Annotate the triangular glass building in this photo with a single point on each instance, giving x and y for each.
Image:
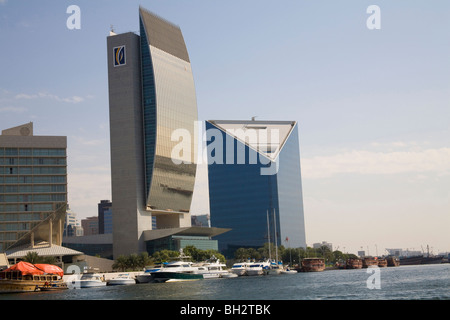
(255, 183)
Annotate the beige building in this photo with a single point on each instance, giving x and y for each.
(33, 187)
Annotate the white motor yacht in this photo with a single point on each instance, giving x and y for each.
(177, 271)
(240, 268)
(258, 268)
(89, 280)
(121, 279)
(211, 269)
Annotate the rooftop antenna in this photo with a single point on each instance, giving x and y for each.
(111, 32)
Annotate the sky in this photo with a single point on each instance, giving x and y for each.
(372, 104)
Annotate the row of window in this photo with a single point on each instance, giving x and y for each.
(36, 216)
(32, 179)
(22, 226)
(33, 198)
(26, 207)
(33, 161)
(33, 170)
(5, 236)
(32, 188)
(31, 152)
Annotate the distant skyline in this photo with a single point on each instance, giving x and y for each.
(373, 105)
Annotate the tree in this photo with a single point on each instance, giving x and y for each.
(121, 263)
(165, 255)
(32, 257)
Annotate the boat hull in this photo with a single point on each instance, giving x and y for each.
(239, 272)
(176, 276)
(369, 262)
(393, 261)
(18, 286)
(144, 278)
(255, 272)
(88, 284)
(353, 264)
(120, 282)
(288, 272)
(312, 265)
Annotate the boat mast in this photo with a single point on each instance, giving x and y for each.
(276, 238)
(268, 234)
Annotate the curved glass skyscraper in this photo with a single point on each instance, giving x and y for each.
(169, 104)
(152, 109)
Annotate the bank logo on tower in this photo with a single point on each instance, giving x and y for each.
(119, 56)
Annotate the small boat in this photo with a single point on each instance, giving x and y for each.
(312, 265)
(89, 280)
(26, 277)
(288, 271)
(121, 279)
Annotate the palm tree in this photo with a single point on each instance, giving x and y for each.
(32, 257)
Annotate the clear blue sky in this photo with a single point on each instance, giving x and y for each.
(373, 106)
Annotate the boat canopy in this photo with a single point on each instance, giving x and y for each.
(50, 269)
(27, 268)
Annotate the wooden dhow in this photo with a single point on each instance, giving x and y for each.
(26, 277)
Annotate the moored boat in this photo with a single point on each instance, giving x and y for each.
(288, 270)
(240, 268)
(147, 276)
(312, 265)
(412, 260)
(121, 279)
(211, 269)
(392, 261)
(258, 268)
(26, 277)
(382, 262)
(89, 280)
(433, 260)
(177, 271)
(353, 264)
(369, 262)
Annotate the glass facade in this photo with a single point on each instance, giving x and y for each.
(175, 243)
(170, 115)
(33, 184)
(255, 206)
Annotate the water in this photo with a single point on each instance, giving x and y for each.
(425, 282)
